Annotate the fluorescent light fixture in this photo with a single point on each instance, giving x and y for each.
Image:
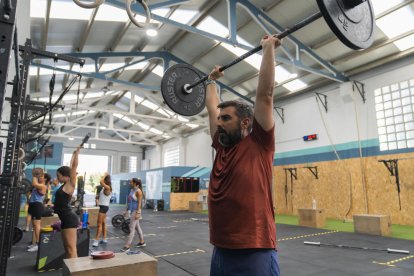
(211, 25)
(166, 136)
(381, 6)
(165, 112)
(150, 105)
(93, 95)
(82, 112)
(192, 125)
(156, 131)
(59, 115)
(405, 43)
(152, 32)
(71, 138)
(143, 126)
(183, 16)
(182, 119)
(102, 127)
(295, 85)
(397, 22)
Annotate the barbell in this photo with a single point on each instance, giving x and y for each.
(352, 21)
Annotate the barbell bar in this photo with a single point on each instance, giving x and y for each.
(352, 21)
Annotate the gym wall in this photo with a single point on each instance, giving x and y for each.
(352, 184)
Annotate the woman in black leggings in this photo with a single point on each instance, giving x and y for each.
(63, 196)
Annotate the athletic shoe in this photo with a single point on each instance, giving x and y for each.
(95, 243)
(125, 249)
(104, 241)
(34, 248)
(141, 244)
(30, 245)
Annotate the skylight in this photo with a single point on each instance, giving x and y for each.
(210, 25)
(93, 95)
(295, 85)
(158, 70)
(392, 26)
(405, 43)
(125, 118)
(381, 6)
(183, 16)
(68, 10)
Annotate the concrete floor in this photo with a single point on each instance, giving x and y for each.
(179, 241)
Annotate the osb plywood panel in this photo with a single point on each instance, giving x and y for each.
(180, 201)
(347, 187)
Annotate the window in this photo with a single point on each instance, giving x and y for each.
(172, 156)
(128, 164)
(394, 105)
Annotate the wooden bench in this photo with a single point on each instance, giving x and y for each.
(372, 224)
(312, 217)
(121, 264)
(45, 221)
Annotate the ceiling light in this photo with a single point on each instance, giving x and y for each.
(71, 138)
(152, 32)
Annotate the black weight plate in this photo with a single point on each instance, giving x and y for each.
(172, 90)
(25, 186)
(125, 226)
(354, 26)
(118, 220)
(17, 235)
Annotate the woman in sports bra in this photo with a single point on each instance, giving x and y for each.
(135, 206)
(104, 199)
(69, 220)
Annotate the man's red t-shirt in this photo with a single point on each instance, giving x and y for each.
(240, 199)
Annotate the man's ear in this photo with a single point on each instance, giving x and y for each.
(245, 123)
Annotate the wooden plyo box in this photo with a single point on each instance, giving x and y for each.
(93, 215)
(372, 224)
(312, 217)
(121, 264)
(45, 221)
(196, 206)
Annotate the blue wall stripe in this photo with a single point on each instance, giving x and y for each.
(327, 154)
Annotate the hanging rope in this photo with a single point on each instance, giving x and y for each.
(51, 88)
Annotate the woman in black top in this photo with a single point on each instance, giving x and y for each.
(63, 196)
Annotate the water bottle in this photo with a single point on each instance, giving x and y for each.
(313, 204)
(85, 218)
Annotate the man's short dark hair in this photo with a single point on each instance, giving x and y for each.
(243, 110)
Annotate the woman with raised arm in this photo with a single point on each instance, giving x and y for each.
(69, 220)
(104, 199)
(36, 205)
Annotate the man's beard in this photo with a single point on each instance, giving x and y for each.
(228, 140)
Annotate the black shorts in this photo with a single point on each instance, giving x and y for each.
(103, 209)
(68, 219)
(36, 210)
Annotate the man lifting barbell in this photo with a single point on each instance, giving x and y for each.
(241, 215)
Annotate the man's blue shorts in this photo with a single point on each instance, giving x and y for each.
(244, 262)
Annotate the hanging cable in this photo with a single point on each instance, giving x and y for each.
(51, 88)
(337, 156)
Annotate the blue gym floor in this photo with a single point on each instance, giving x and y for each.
(179, 241)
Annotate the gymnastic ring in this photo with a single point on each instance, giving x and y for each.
(131, 15)
(93, 5)
(24, 166)
(22, 154)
